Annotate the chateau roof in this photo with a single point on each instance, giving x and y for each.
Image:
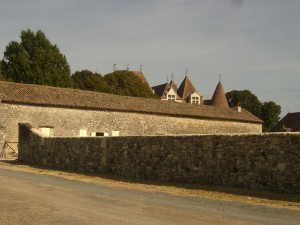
(163, 89)
(219, 98)
(291, 122)
(186, 88)
(140, 75)
(160, 89)
(29, 94)
(173, 85)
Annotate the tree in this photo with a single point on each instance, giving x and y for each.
(247, 100)
(270, 112)
(1, 76)
(35, 60)
(86, 80)
(121, 82)
(124, 82)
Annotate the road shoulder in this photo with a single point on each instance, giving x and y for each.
(247, 196)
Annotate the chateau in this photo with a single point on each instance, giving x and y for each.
(289, 123)
(186, 93)
(72, 112)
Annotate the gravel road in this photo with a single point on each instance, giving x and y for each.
(31, 199)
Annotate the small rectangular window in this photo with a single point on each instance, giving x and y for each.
(115, 133)
(83, 133)
(101, 134)
(48, 131)
(171, 97)
(195, 100)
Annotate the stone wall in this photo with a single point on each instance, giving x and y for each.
(2, 141)
(68, 122)
(258, 161)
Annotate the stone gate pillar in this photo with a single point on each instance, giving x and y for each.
(2, 141)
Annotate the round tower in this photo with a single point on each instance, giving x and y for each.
(219, 98)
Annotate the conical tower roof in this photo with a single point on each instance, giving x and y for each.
(219, 98)
(186, 88)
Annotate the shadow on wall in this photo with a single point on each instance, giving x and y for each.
(2, 141)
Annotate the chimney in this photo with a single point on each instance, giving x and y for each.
(238, 107)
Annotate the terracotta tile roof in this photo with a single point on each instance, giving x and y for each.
(219, 98)
(289, 123)
(173, 85)
(74, 98)
(207, 102)
(186, 88)
(140, 75)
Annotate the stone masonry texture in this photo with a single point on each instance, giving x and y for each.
(2, 140)
(257, 161)
(68, 122)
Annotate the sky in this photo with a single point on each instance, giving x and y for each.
(252, 44)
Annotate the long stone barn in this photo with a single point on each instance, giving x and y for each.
(72, 112)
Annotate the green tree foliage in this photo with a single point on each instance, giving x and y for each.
(124, 82)
(86, 80)
(35, 60)
(1, 77)
(267, 111)
(248, 101)
(270, 112)
(121, 82)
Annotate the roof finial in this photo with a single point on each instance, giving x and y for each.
(172, 76)
(114, 67)
(220, 77)
(128, 66)
(141, 68)
(186, 72)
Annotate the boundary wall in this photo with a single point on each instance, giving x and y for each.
(257, 161)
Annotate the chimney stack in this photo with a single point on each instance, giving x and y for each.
(238, 107)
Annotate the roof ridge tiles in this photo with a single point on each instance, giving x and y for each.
(74, 98)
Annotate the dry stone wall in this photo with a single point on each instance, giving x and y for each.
(258, 161)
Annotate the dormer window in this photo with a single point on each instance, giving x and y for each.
(195, 100)
(171, 97)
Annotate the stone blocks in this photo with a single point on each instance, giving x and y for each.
(258, 161)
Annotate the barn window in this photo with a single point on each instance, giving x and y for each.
(83, 133)
(115, 133)
(46, 130)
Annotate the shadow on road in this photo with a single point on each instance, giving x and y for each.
(269, 195)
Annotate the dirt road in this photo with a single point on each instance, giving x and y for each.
(32, 198)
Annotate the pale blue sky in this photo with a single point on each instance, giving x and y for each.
(254, 44)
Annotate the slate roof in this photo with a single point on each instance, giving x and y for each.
(163, 89)
(289, 123)
(219, 98)
(160, 90)
(186, 88)
(29, 94)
